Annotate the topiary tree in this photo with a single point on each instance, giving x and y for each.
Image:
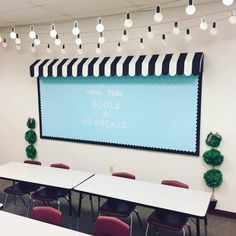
(31, 137)
(214, 158)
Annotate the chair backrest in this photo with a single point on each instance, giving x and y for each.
(111, 226)
(174, 183)
(33, 162)
(47, 214)
(60, 165)
(124, 175)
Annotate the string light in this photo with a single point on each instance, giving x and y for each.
(100, 26)
(37, 40)
(32, 33)
(228, 2)
(17, 40)
(76, 30)
(18, 47)
(150, 34)
(124, 36)
(163, 39)
(33, 49)
(203, 24)
(4, 44)
(118, 48)
(98, 49)
(57, 40)
(190, 9)
(158, 17)
(214, 30)
(13, 33)
(232, 18)
(49, 50)
(176, 29)
(63, 49)
(53, 32)
(188, 36)
(141, 43)
(128, 21)
(80, 49)
(101, 38)
(78, 40)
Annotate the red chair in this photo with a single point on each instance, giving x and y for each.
(107, 225)
(169, 220)
(51, 194)
(21, 188)
(119, 208)
(47, 214)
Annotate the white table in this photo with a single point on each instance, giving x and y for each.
(44, 175)
(12, 225)
(191, 202)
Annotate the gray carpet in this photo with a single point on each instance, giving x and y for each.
(217, 226)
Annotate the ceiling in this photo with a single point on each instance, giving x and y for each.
(27, 12)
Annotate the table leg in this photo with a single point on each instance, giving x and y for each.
(205, 222)
(79, 210)
(198, 226)
(70, 209)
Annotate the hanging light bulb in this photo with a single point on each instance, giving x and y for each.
(150, 34)
(80, 49)
(37, 40)
(101, 39)
(0, 38)
(17, 40)
(49, 50)
(158, 17)
(76, 30)
(176, 29)
(13, 33)
(78, 40)
(18, 47)
(128, 21)
(100, 26)
(214, 30)
(33, 49)
(232, 18)
(63, 49)
(124, 36)
(190, 9)
(228, 2)
(53, 31)
(32, 33)
(163, 39)
(4, 44)
(188, 36)
(141, 44)
(203, 24)
(57, 40)
(98, 49)
(118, 48)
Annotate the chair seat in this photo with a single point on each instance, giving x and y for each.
(168, 219)
(49, 194)
(117, 208)
(16, 189)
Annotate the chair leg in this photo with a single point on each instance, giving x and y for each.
(147, 228)
(205, 223)
(5, 202)
(92, 209)
(131, 224)
(99, 203)
(139, 219)
(58, 205)
(189, 229)
(183, 231)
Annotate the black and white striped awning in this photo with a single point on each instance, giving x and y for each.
(169, 64)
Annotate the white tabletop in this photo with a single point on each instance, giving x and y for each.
(43, 175)
(12, 225)
(148, 194)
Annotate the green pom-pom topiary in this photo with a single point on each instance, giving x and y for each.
(213, 140)
(213, 157)
(30, 136)
(31, 123)
(31, 151)
(213, 178)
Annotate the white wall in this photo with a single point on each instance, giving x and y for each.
(18, 97)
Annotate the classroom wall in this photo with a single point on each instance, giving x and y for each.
(19, 100)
